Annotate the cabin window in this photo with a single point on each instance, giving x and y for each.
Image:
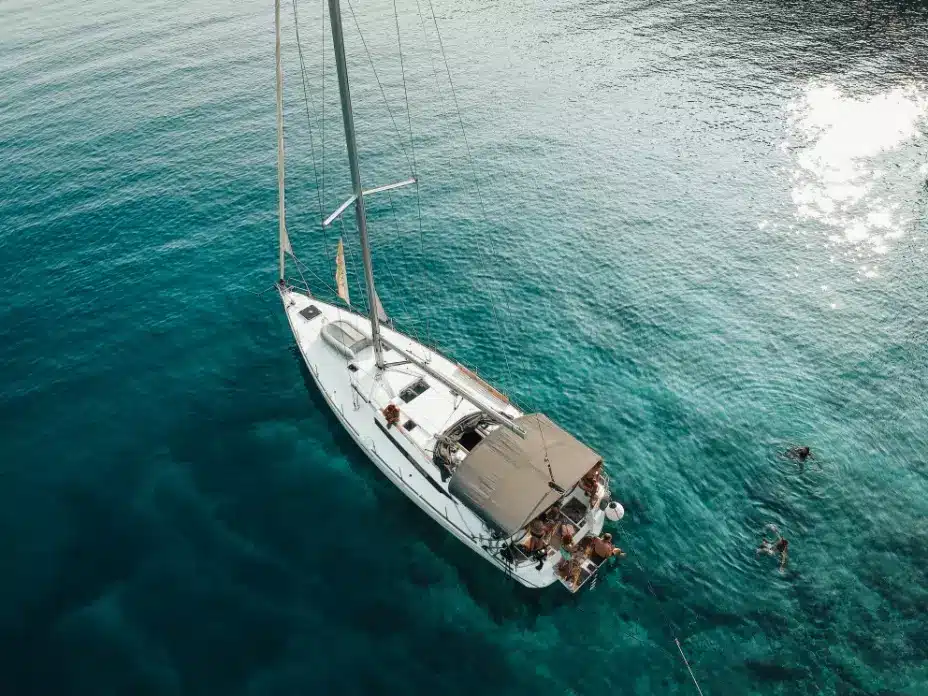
(413, 390)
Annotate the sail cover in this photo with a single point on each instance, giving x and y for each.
(505, 479)
(341, 274)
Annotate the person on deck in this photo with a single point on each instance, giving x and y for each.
(570, 569)
(536, 539)
(590, 479)
(567, 532)
(603, 548)
(391, 414)
(552, 514)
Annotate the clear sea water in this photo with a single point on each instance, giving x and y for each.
(700, 239)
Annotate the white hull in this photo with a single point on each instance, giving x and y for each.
(403, 454)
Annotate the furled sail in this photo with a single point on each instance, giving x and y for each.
(285, 240)
(382, 315)
(341, 275)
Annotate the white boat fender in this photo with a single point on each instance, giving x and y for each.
(614, 511)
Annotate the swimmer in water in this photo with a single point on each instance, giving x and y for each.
(779, 546)
(782, 547)
(800, 454)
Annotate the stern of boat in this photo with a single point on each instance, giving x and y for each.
(573, 564)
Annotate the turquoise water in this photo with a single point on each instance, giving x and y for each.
(702, 241)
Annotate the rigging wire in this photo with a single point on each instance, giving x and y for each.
(303, 278)
(441, 96)
(473, 167)
(322, 281)
(479, 197)
(383, 94)
(410, 163)
(405, 268)
(313, 114)
(350, 250)
(322, 55)
(457, 108)
(338, 305)
(306, 101)
(320, 185)
(428, 48)
(412, 148)
(399, 43)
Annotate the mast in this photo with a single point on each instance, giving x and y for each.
(341, 64)
(283, 241)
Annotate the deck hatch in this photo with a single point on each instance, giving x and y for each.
(345, 338)
(311, 312)
(414, 390)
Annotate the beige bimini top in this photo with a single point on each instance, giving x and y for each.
(505, 479)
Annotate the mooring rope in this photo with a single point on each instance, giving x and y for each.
(670, 625)
(687, 663)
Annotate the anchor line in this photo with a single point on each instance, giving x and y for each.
(673, 631)
(687, 663)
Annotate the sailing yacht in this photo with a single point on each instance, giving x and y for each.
(514, 487)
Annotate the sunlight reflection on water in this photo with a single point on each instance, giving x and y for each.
(851, 171)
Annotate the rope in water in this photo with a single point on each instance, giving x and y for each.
(687, 663)
(669, 623)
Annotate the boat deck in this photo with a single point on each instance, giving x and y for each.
(358, 393)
